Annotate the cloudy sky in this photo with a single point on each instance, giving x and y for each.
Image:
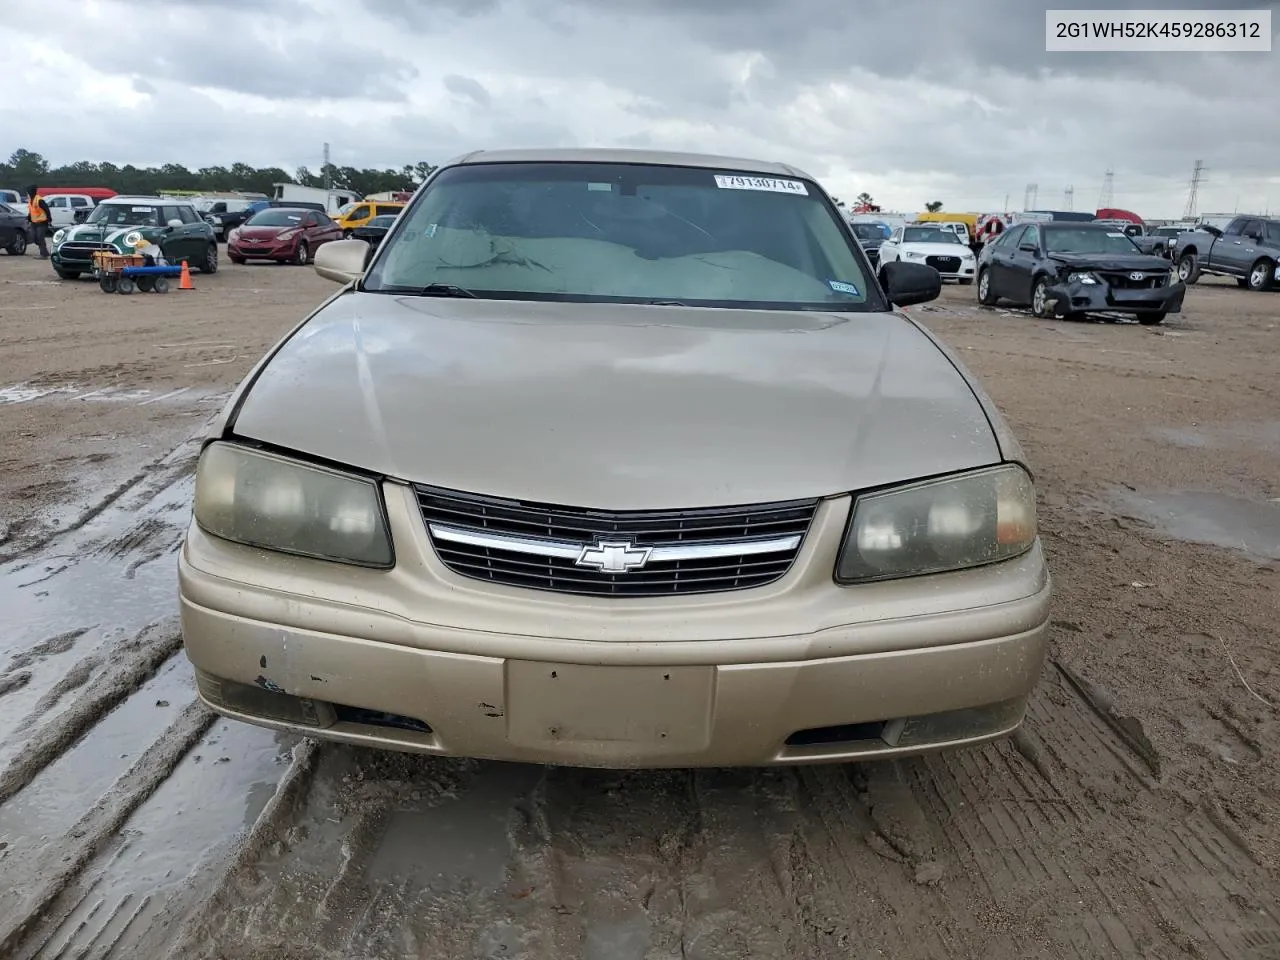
(909, 100)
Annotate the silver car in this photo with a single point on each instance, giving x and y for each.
(616, 458)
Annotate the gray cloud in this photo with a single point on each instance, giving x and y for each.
(467, 87)
(910, 99)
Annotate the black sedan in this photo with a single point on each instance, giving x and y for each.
(13, 230)
(373, 231)
(1071, 269)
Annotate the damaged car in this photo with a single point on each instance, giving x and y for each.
(616, 458)
(1073, 269)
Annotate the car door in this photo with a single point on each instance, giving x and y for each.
(1247, 248)
(1024, 257)
(195, 234)
(59, 212)
(890, 249)
(1227, 252)
(9, 225)
(1000, 260)
(175, 241)
(329, 228)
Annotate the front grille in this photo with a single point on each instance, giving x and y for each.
(944, 264)
(1120, 279)
(80, 250)
(569, 527)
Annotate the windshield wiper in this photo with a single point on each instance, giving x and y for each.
(444, 290)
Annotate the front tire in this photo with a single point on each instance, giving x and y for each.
(1152, 319)
(985, 296)
(303, 256)
(210, 262)
(1040, 299)
(19, 246)
(1260, 276)
(1188, 268)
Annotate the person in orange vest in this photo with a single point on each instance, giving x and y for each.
(40, 217)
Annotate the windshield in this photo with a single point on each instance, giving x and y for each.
(928, 235)
(1087, 240)
(275, 218)
(345, 209)
(1273, 232)
(867, 231)
(124, 215)
(386, 220)
(629, 233)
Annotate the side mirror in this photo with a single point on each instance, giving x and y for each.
(1028, 247)
(342, 260)
(173, 223)
(910, 283)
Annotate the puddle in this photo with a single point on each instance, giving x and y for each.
(1253, 435)
(51, 804)
(1249, 526)
(464, 837)
(168, 856)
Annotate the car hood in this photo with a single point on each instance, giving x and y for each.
(937, 249)
(97, 233)
(617, 406)
(1111, 261)
(263, 233)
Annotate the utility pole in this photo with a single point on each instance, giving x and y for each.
(1197, 178)
(1029, 198)
(1108, 195)
(1068, 198)
(328, 179)
(1005, 208)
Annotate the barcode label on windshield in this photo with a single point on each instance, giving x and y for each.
(769, 184)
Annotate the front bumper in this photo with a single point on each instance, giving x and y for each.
(1077, 297)
(271, 250)
(422, 660)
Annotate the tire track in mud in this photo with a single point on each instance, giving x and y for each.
(134, 661)
(60, 864)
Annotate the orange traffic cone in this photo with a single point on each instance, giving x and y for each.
(185, 283)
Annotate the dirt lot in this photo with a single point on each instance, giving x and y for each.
(1137, 813)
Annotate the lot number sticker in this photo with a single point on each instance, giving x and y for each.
(768, 184)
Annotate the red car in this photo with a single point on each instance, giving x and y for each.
(283, 234)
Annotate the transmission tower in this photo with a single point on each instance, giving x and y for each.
(1068, 198)
(1029, 198)
(1197, 178)
(1108, 195)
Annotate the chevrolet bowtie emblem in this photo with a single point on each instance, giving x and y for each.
(614, 556)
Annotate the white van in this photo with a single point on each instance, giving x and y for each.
(63, 207)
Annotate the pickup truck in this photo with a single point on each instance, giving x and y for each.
(1248, 249)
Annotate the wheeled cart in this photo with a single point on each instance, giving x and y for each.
(124, 273)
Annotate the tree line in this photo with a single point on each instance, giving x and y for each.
(25, 167)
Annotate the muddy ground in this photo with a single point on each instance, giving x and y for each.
(1137, 814)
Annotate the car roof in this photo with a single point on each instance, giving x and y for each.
(154, 201)
(665, 158)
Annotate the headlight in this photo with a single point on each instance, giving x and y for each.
(912, 255)
(939, 525)
(1173, 276)
(1082, 278)
(133, 239)
(265, 500)
(60, 236)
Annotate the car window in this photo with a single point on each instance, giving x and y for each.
(1235, 228)
(1031, 236)
(58, 202)
(929, 235)
(168, 213)
(5, 208)
(188, 214)
(125, 215)
(1088, 240)
(619, 232)
(78, 201)
(1273, 232)
(1252, 228)
(384, 222)
(896, 236)
(359, 213)
(275, 217)
(1011, 237)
